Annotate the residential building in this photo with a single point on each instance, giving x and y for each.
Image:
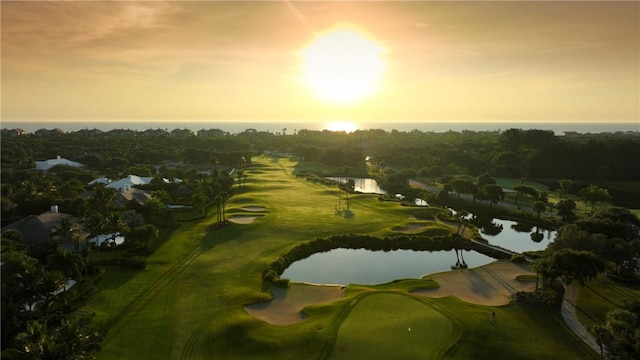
(48, 164)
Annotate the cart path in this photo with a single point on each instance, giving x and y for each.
(568, 311)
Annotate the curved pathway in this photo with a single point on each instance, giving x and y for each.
(568, 311)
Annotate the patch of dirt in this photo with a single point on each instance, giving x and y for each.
(410, 227)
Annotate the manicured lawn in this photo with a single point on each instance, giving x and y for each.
(510, 183)
(394, 326)
(521, 332)
(189, 301)
(602, 295)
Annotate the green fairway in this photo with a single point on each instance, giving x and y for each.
(393, 326)
(189, 301)
(521, 332)
(601, 295)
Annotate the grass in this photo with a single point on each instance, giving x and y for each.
(189, 301)
(405, 321)
(510, 183)
(520, 332)
(601, 295)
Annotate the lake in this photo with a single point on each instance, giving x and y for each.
(518, 241)
(367, 267)
(363, 185)
(370, 186)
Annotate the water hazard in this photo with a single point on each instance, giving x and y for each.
(361, 266)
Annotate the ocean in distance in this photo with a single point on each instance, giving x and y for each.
(234, 127)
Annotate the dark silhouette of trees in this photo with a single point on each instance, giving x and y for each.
(566, 209)
(493, 193)
(526, 190)
(620, 334)
(539, 207)
(66, 262)
(593, 195)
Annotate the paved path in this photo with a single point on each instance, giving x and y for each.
(568, 311)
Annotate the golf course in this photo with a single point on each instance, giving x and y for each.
(202, 296)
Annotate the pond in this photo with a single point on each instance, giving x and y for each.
(370, 186)
(363, 185)
(367, 267)
(515, 236)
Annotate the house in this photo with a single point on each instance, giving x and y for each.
(128, 182)
(113, 238)
(155, 132)
(46, 132)
(132, 194)
(87, 132)
(126, 188)
(48, 164)
(181, 133)
(38, 229)
(13, 132)
(210, 133)
(121, 132)
(100, 180)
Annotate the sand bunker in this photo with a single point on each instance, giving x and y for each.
(287, 304)
(253, 208)
(410, 227)
(494, 284)
(243, 219)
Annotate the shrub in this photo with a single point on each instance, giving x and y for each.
(136, 262)
(281, 283)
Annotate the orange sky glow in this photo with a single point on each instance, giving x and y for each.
(233, 60)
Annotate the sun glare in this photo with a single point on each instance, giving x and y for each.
(346, 126)
(343, 66)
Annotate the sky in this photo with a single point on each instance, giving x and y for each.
(231, 60)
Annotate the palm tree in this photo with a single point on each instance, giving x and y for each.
(48, 286)
(224, 196)
(218, 201)
(493, 193)
(102, 198)
(539, 207)
(349, 187)
(87, 258)
(460, 216)
(115, 225)
(64, 228)
(37, 342)
(565, 186)
(72, 339)
(79, 337)
(565, 209)
(544, 267)
(67, 262)
(602, 338)
(240, 176)
(96, 224)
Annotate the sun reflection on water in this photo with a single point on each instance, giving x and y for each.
(346, 126)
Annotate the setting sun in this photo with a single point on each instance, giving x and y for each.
(343, 65)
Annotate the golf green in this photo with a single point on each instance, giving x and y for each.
(393, 326)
